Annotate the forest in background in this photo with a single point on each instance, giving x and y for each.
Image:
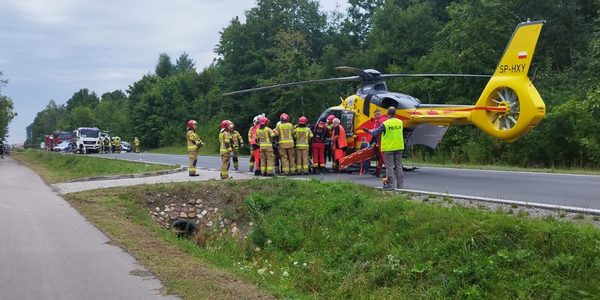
(293, 40)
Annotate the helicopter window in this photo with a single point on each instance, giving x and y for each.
(347, 121)
(326, 113)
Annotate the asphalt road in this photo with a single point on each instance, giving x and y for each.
(49, 251)
(581, 191)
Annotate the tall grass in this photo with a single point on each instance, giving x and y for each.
(318, 240)
(56, 167)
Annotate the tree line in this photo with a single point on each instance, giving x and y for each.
(6, 110)
(286, 41)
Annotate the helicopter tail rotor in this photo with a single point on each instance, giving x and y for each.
(510, 106)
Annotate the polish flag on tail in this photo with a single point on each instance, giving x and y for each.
(523, 55)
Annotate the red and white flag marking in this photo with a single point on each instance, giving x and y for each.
(522, 54)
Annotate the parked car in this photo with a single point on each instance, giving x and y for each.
(125, 146)
(64, 146)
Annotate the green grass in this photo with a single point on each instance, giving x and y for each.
(57, 167)
(323, 240)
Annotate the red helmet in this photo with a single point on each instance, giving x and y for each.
(303, 120)
(263, 121)
(192, 124)
(284, 117)
(225, 124)
(330, 118)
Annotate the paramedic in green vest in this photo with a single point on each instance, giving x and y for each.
(392, 145)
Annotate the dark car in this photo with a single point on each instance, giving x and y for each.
(125, 146)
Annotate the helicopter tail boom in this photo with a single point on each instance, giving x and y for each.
(510, 106)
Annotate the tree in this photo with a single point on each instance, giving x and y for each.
(358, 23)
(3, 82)
(164, 67)
(184, 64)
(83, 98)
(6, 115)
(111, 114)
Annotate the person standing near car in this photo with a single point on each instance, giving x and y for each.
(392, 146)
(136, 143)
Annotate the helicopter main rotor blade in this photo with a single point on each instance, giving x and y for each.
(351, 78)
(386, 76)
(360, 72)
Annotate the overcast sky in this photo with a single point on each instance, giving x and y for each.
(50, 49)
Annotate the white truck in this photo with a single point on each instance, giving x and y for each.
(85, 140)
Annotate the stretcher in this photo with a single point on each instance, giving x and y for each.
(357, 157)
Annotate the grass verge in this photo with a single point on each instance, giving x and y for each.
(57, 167)
(323, 240)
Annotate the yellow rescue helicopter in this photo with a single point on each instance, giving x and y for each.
(508, 107)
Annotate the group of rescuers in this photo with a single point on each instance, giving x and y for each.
(290, 144)
(106, 144)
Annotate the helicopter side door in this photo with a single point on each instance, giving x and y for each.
(347, 121)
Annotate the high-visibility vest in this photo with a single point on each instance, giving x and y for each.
(392, 138)
(341, 139)
(252, 134)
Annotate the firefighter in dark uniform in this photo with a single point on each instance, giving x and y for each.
(193, 143)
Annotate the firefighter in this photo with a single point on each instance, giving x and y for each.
(238, 142)
(106, 145)
(100, 144)
(193, 143)
(320, 137)
(136, 144)
(255, 155)
(285, 132)
(118, 145)
(264, 136)
(302, 135)
(225, 148)
(338, 142)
